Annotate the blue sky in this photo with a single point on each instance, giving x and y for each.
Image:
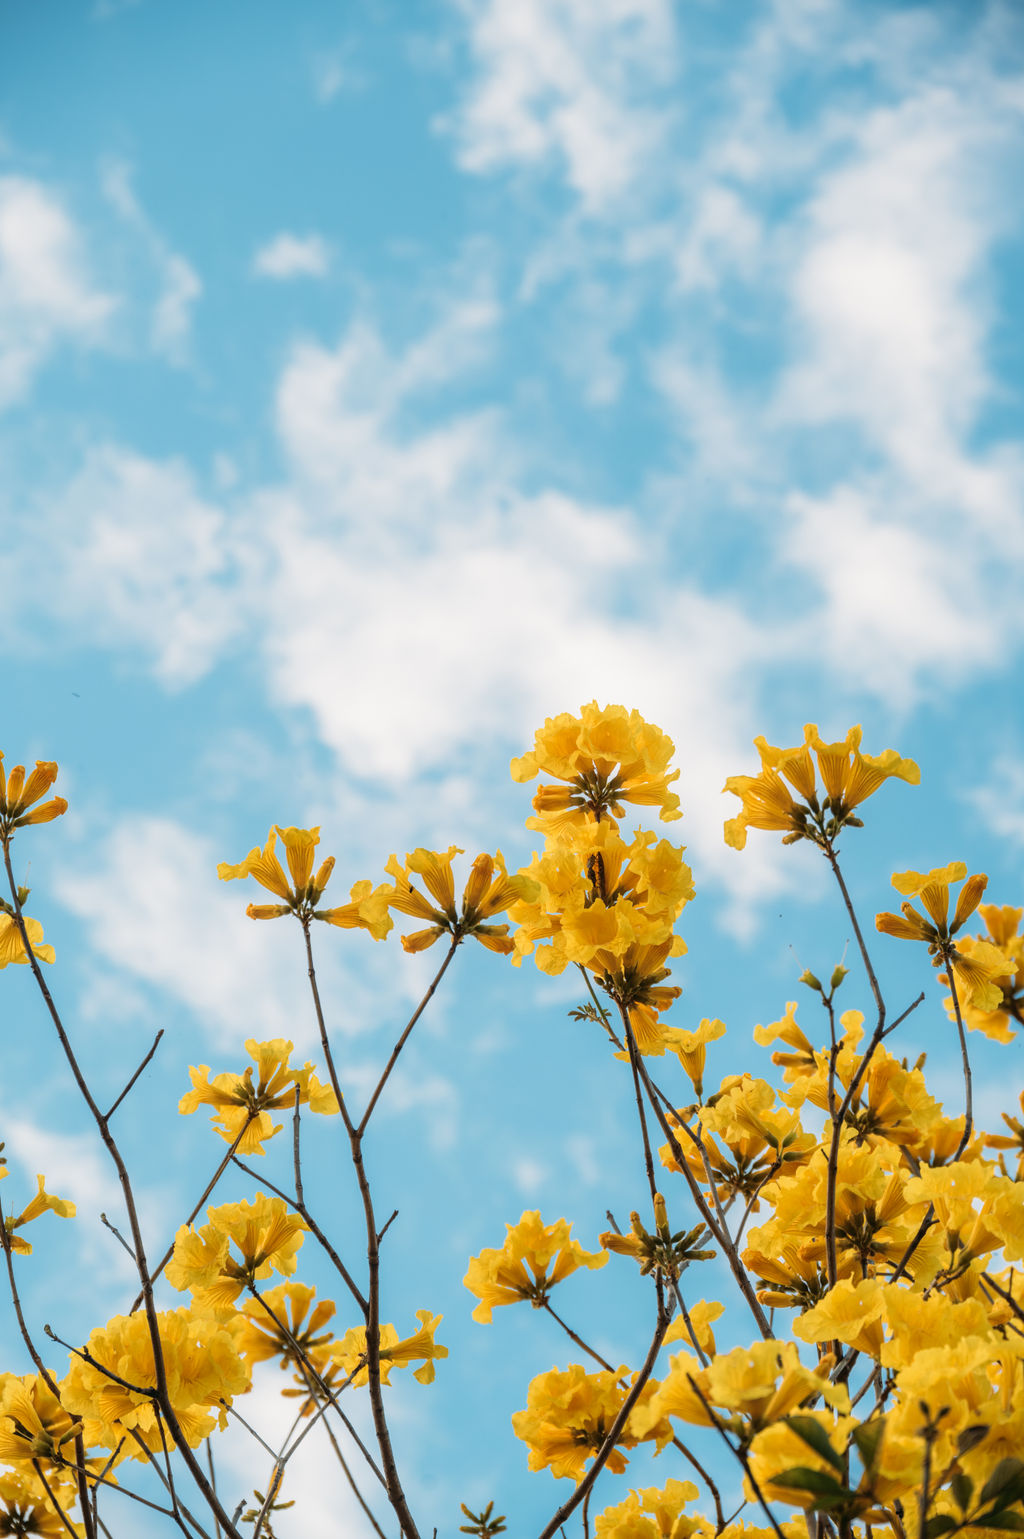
(376, 381)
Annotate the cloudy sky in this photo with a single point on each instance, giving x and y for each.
(377, 381)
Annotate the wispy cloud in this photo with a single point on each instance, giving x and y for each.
(335, 71)
(1000, 801)
(134, 557)
(564, 84)
(292, 256)
(179, 285)
(47, 296)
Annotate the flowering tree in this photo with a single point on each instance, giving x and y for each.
(882, 1386)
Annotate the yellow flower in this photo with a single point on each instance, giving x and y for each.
(653, 1513)
(42, 1202)
(848, 776)
(204, 1372)
(701, 1314)
(350, 1351)
(569, 1413)
(17, 795)
(368, 909)
(500, 1276)
(766, 1381)
(12, 947)
(1004, 933)
(802, 1058)
(242, 1105)
(691, 1047)
(259, 1338)
(33, 1423)
(606, 756)
(852, 1312)
(266, 1235)
(489, 890)
(1014, 1141)
(27, 1508)
(975, 970)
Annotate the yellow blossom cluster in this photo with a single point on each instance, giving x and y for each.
(603, 901)
(881, 1230)
(848, 778)
(534, 1258)
(242, 1116)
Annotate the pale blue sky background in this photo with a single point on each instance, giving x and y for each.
(377, 380)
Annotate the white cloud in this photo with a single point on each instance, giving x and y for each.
(900, 605)
(421, 605)
(179, 284)
(172, 313)
(333, 71)
(132, 557)
(73, 1164)
(529, 1175)
(46, 295)
(147, 893)
(154, 910)
(723, 235)
(883, 285)
(1000, 801)
(568, 81)
(292, 256)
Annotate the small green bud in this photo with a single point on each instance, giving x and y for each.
(811, 982)
(837, 977)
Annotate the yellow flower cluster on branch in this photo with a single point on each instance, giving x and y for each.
(266, 1237)
(301, 890)
(489, 891)
(888, 1230)
(569, 1412)
(350, 1353)
(18, 795)
(110, 1390)
(534, 1259)
(848, 778)
(243, 1109)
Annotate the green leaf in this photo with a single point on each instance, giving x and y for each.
(963, 1490)
(1012, 1521)
(941, 1523)
(802, 1478)
(868, 1438)
(1005, 1484)
(815, 1436)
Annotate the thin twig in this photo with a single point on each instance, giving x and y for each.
(225, 1162)
(717, 1225)
(296, 1157)
(104, 1220)
(138, 1071)
(396, 1050)
(577, 1339)
(314, 1229)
